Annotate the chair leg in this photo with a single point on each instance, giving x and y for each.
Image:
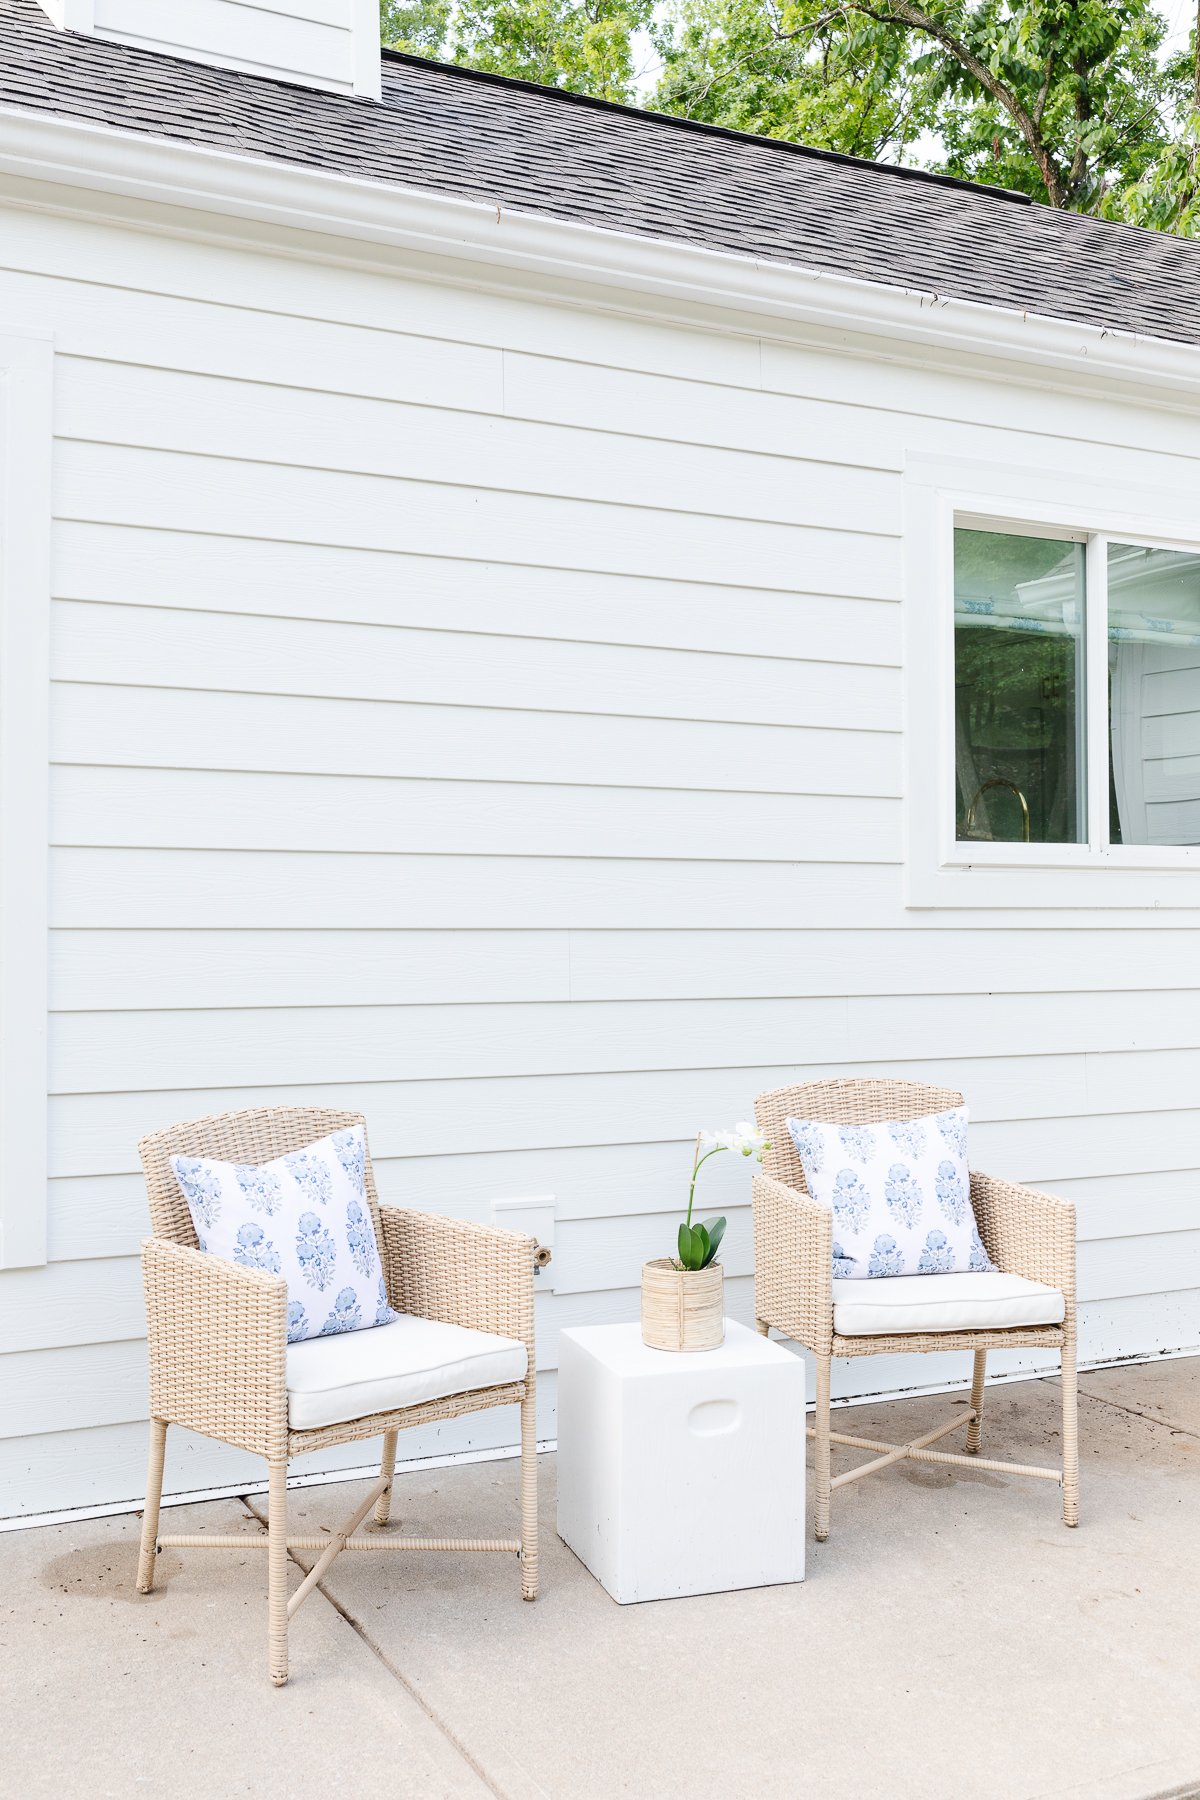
(154, 1480)
(975, 1428)
(1070, 1435)
(821, 1449)
(277, 1561)
(529, 1506)
(387, 1468)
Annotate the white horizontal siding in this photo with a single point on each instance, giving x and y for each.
(235, 498)
(188, 728)
(1040, 1107)
(177, 648)
(253, 890)
(488, 714)
(182, 808)
(199, 415)
(100, 1216)
(95, 1052)
(116, 969)
(463, 588)
(294, 890)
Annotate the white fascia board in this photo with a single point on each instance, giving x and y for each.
(38, 147)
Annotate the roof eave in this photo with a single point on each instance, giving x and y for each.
(49, 149)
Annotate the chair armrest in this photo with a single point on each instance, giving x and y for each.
(473, 1275)
(218, 1343)
(1026, 1232)
(793, 1263)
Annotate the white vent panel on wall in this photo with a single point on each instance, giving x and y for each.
(330, 44)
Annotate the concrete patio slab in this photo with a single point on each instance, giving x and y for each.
(1167, 1391)
(953, 1642)
(108, 1693)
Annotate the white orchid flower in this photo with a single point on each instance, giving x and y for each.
(747, 1140)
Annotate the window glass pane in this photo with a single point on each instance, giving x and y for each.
(1018, 688)
(1154, 695)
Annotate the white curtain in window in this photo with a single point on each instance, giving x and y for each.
(1154, 693)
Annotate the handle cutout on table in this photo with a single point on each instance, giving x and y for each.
(714, 1418)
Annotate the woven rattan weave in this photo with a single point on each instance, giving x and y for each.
(1025, 1233)
(218, 1341)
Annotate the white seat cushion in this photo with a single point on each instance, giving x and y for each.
(351, 1376)
(904, 1303)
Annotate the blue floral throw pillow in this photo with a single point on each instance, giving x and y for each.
(304, 1216)
(900, 1194)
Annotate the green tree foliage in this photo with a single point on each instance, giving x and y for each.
(587, 48)
(840, 83)
(1069, 100)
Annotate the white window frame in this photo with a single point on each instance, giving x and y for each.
(941, 870)
(26, 437)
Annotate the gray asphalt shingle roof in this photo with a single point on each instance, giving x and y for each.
(534, 150)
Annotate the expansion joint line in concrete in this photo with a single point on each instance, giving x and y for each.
(360, 1631)
(1135, 1412)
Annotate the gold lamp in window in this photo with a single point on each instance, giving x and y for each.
(997, 781)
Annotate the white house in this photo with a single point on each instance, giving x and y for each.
(539, 620)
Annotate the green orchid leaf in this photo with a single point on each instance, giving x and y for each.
(686, 1240)
(716, 1231)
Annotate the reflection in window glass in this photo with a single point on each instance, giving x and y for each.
(1154, 695)
(1018, 688)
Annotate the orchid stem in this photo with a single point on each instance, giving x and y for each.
(697, 1165)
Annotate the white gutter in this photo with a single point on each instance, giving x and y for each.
(43, 148)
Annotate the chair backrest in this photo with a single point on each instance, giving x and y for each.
(258, 1135)
(859, 1102)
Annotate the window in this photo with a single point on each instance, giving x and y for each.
(1051, 621)
(1019, 688)
(1034, 723)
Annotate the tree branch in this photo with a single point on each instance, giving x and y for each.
(901, 12)
(1039, 105)
(1083, 112)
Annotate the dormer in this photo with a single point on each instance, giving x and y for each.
(331, 44)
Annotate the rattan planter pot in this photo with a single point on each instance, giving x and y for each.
(682, 1309)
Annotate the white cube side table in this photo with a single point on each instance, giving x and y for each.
(680, 1472)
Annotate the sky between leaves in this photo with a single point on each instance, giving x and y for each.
(1087, 104)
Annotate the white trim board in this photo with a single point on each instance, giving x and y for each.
(26, 424)
(571, 257)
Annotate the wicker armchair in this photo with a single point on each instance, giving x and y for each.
(1025, 1233)
(218, 1350)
